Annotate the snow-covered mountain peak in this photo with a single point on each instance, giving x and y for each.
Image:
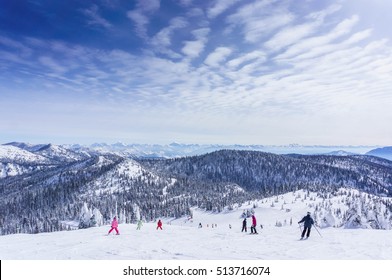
(15, 154)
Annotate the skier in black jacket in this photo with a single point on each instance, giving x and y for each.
(244, 225)
(308, 222)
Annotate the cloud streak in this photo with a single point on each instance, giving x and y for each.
(95, 19)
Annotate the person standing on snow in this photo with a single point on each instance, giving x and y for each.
(244, 226)
(139, 224)
(253, 227)
(159, 224)
(114, 226)
(308, 222)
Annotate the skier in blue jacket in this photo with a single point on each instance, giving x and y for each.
(308, 222)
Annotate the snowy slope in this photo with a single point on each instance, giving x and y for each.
(15, 161)
(182, 242)
(126, 171)
(26, 146)
(182, 239)
(60, 153)
(15, 154)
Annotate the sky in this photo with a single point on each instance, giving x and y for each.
(209, 72)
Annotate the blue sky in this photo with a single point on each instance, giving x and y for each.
(219, 71)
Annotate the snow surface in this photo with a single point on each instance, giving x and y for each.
(15, 154)
(14, 161)
(182, 239)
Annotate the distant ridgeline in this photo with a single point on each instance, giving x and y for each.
(47, 188)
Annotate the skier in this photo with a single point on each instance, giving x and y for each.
(253, 227)
(159, 224)
(200, 226)
(308, 222)
(244, 226)
(139, 224)
(114, 226)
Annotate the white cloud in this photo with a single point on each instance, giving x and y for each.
(148, 6)
(94, 18)
(255, 55)
(307, 45)
(219, 7)
(320, 15)
(47, 61)
(259, 19)
(163, 37)
(15, 45)
(185, 3)
(218, 56)
(140, 21)
(253, 10)
(359, 36)
(140, 15)
(162, 41)
(290, 35)
(256, 29)
(201, 33)
(330, 48)
(193, 49)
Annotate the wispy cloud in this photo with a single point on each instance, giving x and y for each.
(193, 49)
(140, 15)
(95, 19)
(218, 56)
(320, 15)
(344, 27)
(290, 35)
(11, 44)
(52, 64)
(259, 19)
(162, 40)
(246, 58)
(185, 3)
(219, 6)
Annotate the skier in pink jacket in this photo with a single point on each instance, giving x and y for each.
(114, 226)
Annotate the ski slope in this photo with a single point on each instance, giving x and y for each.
(187, 243)
(181, 239)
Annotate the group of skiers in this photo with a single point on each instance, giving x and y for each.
(307, 220)
(139, 226)
(252, 228)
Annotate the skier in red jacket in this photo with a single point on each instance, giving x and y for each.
(159, 224)
(253, 227)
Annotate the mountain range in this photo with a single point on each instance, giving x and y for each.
(49, 187)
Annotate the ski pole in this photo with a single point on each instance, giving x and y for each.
(318, 232)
